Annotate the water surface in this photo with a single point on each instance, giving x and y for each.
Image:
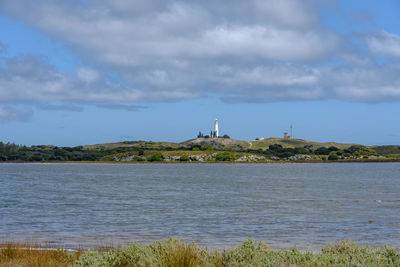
(216, 205)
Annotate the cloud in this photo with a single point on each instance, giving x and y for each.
(134, 52)
(31, 79)
(182, 31)
(88, 75)
(268, 42)
(9, 113)
(369, 83)
(384, 43)
(293, 13)
(121, 107)
(374, 83)
(159, 50)
(62, 107)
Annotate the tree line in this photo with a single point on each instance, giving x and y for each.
(18, 153)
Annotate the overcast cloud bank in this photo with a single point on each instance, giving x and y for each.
(151, 50)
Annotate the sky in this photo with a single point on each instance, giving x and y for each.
(93, 71)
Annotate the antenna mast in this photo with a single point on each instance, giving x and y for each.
(291, 130)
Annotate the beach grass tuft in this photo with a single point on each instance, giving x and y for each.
(31, 255)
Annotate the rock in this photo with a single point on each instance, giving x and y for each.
(251, 158)
(299, 157)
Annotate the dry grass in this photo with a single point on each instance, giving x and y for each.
(181, 255)
(30, 255)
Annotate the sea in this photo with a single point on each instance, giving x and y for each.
(217, 206)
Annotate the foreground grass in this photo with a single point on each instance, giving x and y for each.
(174, 253)
(34, 256)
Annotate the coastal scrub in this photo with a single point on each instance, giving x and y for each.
(174, 253)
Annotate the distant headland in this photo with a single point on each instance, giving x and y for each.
(204, 150)
(210, 148)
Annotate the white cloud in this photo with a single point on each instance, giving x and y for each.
(273, 75)
(162, 33)
(373, 83)
(153, 50)
(88, 75)
(363, 83)
(31, 79)
(275, 82)
(268, 42)
(292, 13)
(384, 43)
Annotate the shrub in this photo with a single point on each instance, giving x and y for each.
(140, 152)
(184, 158)
(333, 148)
(207, 147)
(156, 157)
(89, 258)
(275, 148)
(139, 159)
(322, 151)
(301, 150)
(359, 150)
(333, 156)
(225, 156)
(248, 252)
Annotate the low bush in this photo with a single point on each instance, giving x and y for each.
(333, 156)
(156, 157)
(184, 158)
(225, 156)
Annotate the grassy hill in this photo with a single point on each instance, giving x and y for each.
(260, 144)
(218, 143)
(387, 150)
(292, 143)
(138, 144)
(200, 149)
(221, 143)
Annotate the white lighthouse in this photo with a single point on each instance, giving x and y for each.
(216, 128)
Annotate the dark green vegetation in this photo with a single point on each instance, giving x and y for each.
(201, 150)
(390, 151)
(174, 253)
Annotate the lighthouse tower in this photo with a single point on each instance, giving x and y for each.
(216, 128)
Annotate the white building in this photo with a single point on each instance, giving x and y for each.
(216, 128)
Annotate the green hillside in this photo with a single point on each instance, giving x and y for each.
(201, 150)
(226, 143)
(292, 143)
(133, 144)
(221, 143)
(387, 150)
